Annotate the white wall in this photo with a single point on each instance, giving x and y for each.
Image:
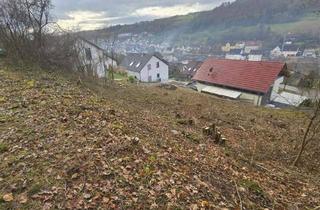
(276, 86)
(276, 52)
(251, 98)
(289, 53)
(134, 74)
(255, 57)
(163, 70)
(235, 57)
(110, 62)
(99, 62)
(247, 97)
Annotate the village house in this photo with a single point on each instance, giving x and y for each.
(146, 67)
(276, 52)
(235, 54)
(255, 55)
(229, 46)
(252, 46)
(310, 53)
(290, 51)
(93, 59)
(286, 51)
(249, 81)
(292, 92)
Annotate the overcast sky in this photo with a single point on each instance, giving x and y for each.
(93, 14)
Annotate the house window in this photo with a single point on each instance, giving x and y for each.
(158, 76)
(211, 70)
(158, 65)
(149, 67)
(88, 54)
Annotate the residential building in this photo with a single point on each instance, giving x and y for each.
(93, 59)
(310, 53)
(146, 67)
(252, 45)
(276, 52)
(255, 55)
(226, 47)
(235, 46)
(290, 51)
(249, 81)
(235, 54)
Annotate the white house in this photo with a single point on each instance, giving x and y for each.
(93, 59)
(310, 53)
(252, 45)
(290, 51)
(255, 55)
(276, 52)
(235, 54)
(146, 67)
(248, 81)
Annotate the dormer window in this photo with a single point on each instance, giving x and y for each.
(138, 65)
(131, 63)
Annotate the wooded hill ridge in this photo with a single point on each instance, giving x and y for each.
(216, 24)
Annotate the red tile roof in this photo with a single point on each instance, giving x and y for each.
(257, 76)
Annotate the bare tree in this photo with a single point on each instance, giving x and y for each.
(39, 15)
(311, 86)
(111, 50)
(23, 25)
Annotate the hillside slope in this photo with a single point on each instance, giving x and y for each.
(242, 19)
(141, 147)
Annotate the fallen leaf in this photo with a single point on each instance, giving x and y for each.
(105, 200)
(8, 197)
(2, 99)
(87, 196)
(23, 199)
(31, 84)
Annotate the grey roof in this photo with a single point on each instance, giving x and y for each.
(291, 48)
(136, 61)
(256, 52)
(235, 51)
(91, 43)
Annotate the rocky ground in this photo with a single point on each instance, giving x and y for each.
(65, 145)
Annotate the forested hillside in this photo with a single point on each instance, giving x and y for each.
(243, 18)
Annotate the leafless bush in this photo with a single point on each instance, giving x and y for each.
(29, 35)
(311, 86)
(23, 26)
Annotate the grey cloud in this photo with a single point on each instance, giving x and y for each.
(123, 10)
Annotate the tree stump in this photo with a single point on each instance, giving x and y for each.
(213, 132)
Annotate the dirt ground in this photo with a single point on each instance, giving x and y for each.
(65, 145)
